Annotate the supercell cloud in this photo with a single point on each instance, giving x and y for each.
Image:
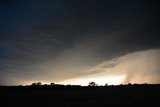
(56, 40)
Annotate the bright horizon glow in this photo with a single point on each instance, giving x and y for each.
(30, 82)
(138, 67)
(84, 81)
(100, 80)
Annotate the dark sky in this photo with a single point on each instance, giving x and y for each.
(55, 40)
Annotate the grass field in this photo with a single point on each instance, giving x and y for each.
(77, 96)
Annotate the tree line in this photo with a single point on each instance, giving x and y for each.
(89, 84)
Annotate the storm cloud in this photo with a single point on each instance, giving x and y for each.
(56, 40)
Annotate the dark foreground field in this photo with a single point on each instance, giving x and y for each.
(75, 96)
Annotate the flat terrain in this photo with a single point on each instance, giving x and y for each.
(76, 96)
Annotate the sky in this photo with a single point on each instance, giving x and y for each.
(78, 41)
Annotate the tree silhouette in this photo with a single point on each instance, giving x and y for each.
(39, 83)
(92, 84)
(36, 84)
(106, 84)
(129, 84)
(52, 83)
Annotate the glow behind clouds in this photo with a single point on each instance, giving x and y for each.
(137, 67)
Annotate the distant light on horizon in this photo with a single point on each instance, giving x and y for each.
(100, 80)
